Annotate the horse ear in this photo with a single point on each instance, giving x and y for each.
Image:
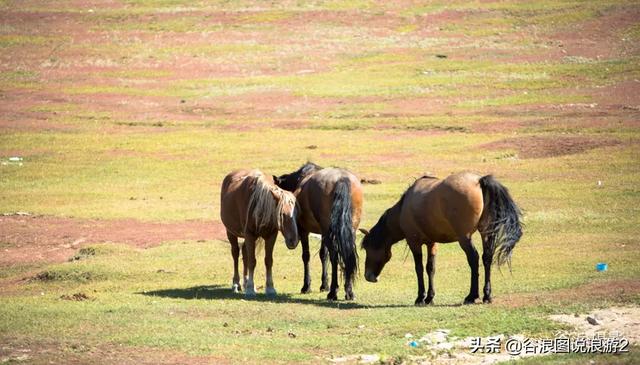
(276, 194)
(276, 180)
(364, 231)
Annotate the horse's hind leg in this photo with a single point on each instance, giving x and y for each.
(487, 259)
(431, 270)
(304, 239)
(324, 260)
(472, 259)
(268, 263)
(235, 252)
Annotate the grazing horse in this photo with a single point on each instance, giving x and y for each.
(330, 203)
(434, 210)
(291, 182)
(253, 207)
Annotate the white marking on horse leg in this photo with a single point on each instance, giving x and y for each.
(270, 289)
(249, 287)
(249, 290)
(236, 288)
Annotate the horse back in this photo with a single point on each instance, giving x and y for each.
(315, 197)
(234, 199)
(443, 210)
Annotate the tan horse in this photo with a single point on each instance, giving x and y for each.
(330, 203)
(434, 210)
(253, 207)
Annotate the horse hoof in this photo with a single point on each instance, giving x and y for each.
(349, 296)
(428, 301)
(236, 288)
(306, 289)
(324, 287)
(332, 296)
(469, 301)
(250, 293)
(487, 300)
(271, 292)
(419, 303)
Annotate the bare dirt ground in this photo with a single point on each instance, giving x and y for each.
(543, 146)
(612, 289)
(44, 239)
(623, 320)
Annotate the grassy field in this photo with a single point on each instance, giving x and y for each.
(136, 110)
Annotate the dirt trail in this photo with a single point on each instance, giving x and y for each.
(36, 239)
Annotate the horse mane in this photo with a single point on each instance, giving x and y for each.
(307, 169)
(425, 176)
(264, 211)
(375, 238)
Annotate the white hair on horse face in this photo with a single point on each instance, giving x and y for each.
(286, 200)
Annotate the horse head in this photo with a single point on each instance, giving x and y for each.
(377, 246)
(290, 182)
(287, 216)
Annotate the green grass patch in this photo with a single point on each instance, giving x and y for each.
(525, 99)
(13, 40)
(107, 137)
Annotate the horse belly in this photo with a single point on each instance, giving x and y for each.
(233, 208)
(438, 231)
(310, 208)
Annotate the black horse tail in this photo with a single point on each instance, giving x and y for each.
(501, 220)
(341, 235)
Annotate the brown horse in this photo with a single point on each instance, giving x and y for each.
(330, 203)
(253, 207)
(434, 210)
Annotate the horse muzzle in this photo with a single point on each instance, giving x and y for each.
(371, 277)
(291, 244)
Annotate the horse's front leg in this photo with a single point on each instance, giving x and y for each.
(306, 285)
(249, 249)
(324, 260)
(431, 270)
(472, 260)
(245, 264)
(268, 263)
(416, 250)
(235, 253)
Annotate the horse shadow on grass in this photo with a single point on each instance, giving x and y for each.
(219, 292)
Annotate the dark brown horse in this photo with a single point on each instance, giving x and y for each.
(434, 210)
(330, 203)
(291, 182)
(253, 207)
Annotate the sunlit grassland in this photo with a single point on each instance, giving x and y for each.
(482, 83)
(145, 120)
(176, 297)
(185, 166)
